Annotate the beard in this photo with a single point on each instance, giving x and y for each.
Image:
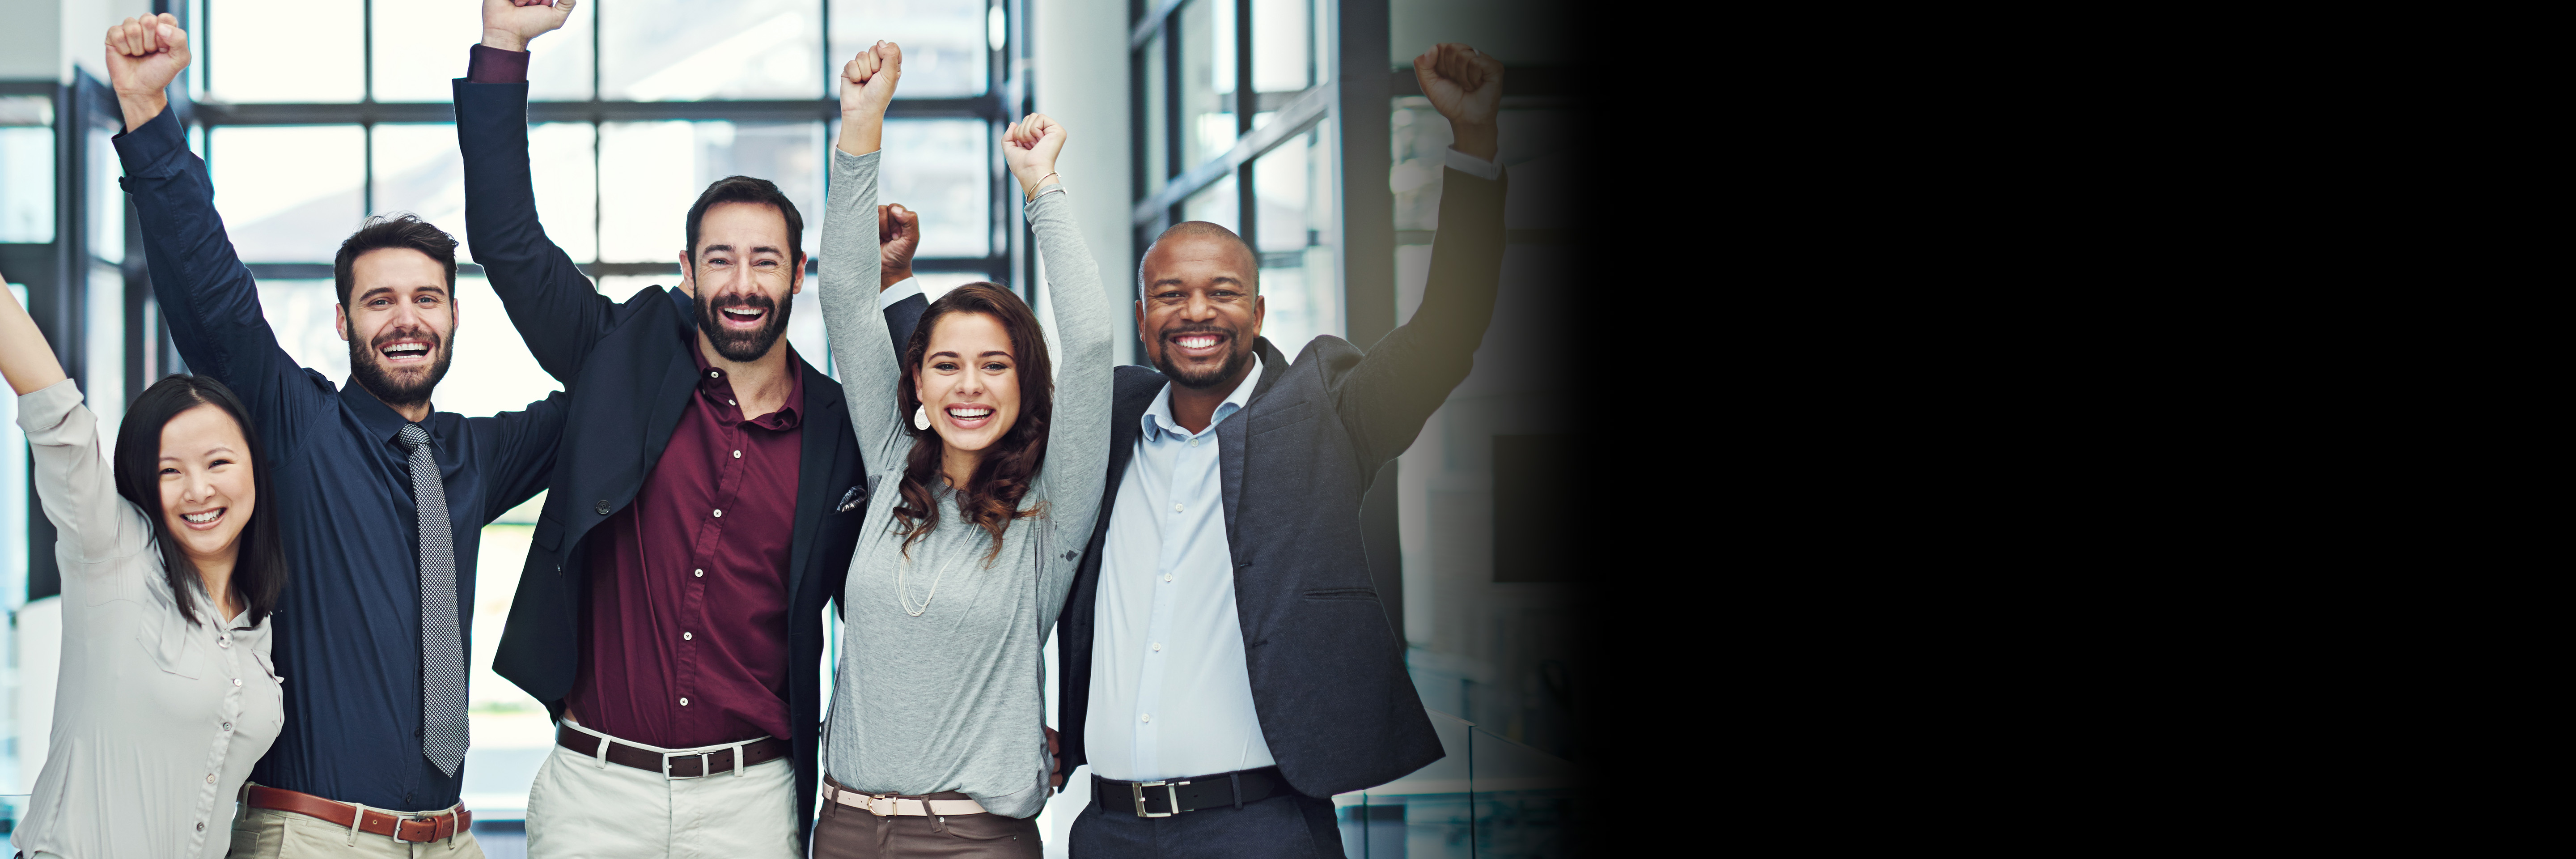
(1237, 360)
(744, 346)
(394, 389)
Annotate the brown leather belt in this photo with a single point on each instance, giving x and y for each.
(420, 829)
(690, 765)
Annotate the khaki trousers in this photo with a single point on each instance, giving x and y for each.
(266, 833)
(580, 808)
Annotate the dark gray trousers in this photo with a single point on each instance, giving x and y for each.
(1291, 826)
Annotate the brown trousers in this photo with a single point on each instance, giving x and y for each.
(852, 833)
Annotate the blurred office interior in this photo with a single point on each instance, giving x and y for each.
(1296, 122)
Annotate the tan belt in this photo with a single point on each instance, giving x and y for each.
(424, 828)
(890, 805)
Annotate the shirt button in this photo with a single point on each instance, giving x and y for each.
(699, 573)
(715, 374)
(1176, 508)
(688, 636)
(1167, 577)
(210, 778)
(729, 402)
(737, 454)
(236, 681)
(201, 826)
(1146, 718)
(602, 507)
(719, 514)
(228, 726)
(1158, 647)
(1194, 442)
(684, 702)
(223, 642)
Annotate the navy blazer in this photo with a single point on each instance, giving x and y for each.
(1328, 677)
(627, 369)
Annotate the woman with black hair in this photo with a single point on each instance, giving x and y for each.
(169, 572)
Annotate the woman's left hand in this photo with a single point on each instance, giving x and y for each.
(1030, 146)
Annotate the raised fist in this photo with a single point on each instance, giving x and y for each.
(509, 24)
(1467, 88)
(1029, 146)
(144, 54)
(898, 235)
(868, 79)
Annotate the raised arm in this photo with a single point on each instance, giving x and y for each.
(73, 482)
(1078, 437)
(1406, 376)
(557, 310)
(851, 270)
(206, 294)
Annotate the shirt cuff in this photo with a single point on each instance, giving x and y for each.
(492, 65)
(902, 289)
(1474, 166)
(151, 149)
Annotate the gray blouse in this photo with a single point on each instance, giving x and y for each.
(157, 721)
(953, 699)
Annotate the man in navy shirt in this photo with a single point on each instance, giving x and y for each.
(382, 498)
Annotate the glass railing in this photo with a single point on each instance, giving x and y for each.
(1490, 798)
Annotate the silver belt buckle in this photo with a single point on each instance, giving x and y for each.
(1171, 792)
(703, 765)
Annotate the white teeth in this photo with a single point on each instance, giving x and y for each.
(202, 518)
(970, 413)
(1196, 342)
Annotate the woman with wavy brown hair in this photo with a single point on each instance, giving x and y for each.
(986, 468)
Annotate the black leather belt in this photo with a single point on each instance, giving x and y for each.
(1172, 796)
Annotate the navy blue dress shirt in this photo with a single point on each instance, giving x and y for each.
(348, 627)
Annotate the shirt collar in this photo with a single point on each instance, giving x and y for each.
(717, 387)
(381, 421)
(1158, 417)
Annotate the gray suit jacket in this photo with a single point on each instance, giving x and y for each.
(1328, 676)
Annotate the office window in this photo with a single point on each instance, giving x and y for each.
(26, 169)
(1207, 79)
(288, 193)
(414, 36)
(1293, 193)
(662, 167)
(327, 60)
(673, 50)
(1216, 205)
(941, 168)
(945, 43)
(106, 199)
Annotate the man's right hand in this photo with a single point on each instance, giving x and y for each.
(867, 86)
(144, 54)
(509, 24)
(898, 235)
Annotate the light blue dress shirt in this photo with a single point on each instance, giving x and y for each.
(1170, 696)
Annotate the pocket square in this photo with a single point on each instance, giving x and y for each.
(850, 500)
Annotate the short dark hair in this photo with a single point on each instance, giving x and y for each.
(1193, 229)
(405, 230)
(744, 189)
(259, 570)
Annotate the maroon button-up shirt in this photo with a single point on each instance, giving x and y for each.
(686, 629)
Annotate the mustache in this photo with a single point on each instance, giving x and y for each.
(752, 300)
(408, 334)
(1185, 329)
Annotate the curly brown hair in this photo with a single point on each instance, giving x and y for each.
(992, 500)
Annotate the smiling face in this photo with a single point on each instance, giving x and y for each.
(207, 494)
(744, 275)
(400, 321)
(1199, 314)
(969, 380)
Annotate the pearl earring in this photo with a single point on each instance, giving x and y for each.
(921, 417)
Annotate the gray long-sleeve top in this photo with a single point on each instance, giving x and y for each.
(149, 743)
(954, 699)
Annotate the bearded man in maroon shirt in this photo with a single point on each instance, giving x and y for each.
(704, 504)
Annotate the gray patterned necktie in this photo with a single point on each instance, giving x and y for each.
(443, 735)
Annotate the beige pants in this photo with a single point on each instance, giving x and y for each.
(266, 833)
(581, 809)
